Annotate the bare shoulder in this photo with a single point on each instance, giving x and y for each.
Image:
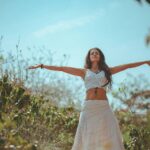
(116, 69)
(112, 69)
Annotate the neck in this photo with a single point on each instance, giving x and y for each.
(94, 66)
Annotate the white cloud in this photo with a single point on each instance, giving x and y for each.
(67, 24)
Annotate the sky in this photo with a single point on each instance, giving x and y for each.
(72, 27)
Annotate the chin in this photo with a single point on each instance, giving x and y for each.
(95, 61)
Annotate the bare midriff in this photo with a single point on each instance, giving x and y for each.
(96, 94)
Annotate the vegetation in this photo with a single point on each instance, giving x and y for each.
(134, 118)
(30, 122)
(147, 39)
(31, 117)
(40, 111)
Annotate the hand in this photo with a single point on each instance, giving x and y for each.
(34, 67)
(148, 62)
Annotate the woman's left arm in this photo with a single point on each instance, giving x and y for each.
(120, 68)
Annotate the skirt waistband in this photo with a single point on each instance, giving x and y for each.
(95, 101)
(95, 104)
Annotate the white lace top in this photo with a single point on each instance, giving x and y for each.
(92, 79)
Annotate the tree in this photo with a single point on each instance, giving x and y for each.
(140, 1)
(147, 39)
(134, 120)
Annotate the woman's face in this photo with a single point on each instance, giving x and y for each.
(94, 55)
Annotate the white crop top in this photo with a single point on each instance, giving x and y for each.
(92, 79)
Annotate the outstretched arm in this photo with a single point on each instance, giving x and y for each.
(120, 68)
(70, 70)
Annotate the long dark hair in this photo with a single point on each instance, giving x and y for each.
(101, 65)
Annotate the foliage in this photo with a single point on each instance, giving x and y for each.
(140, 1)
(147, 39)
(134, 117)
(135, 129)
(29, 122)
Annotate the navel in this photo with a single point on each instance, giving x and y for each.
(96, 91)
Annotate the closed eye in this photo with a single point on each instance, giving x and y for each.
(94, 53)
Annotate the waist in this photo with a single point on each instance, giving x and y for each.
(95, 105)
(87, 99)
(98, 89)
(94, 87)
(96, 101)
(99, 95)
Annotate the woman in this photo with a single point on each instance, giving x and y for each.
(98, 127)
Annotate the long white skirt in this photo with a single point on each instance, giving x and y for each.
(98, 128)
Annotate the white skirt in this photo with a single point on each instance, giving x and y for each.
(98, 128)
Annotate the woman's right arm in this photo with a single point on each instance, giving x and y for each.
(70, 70)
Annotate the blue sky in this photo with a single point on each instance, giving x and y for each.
(71, 27)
